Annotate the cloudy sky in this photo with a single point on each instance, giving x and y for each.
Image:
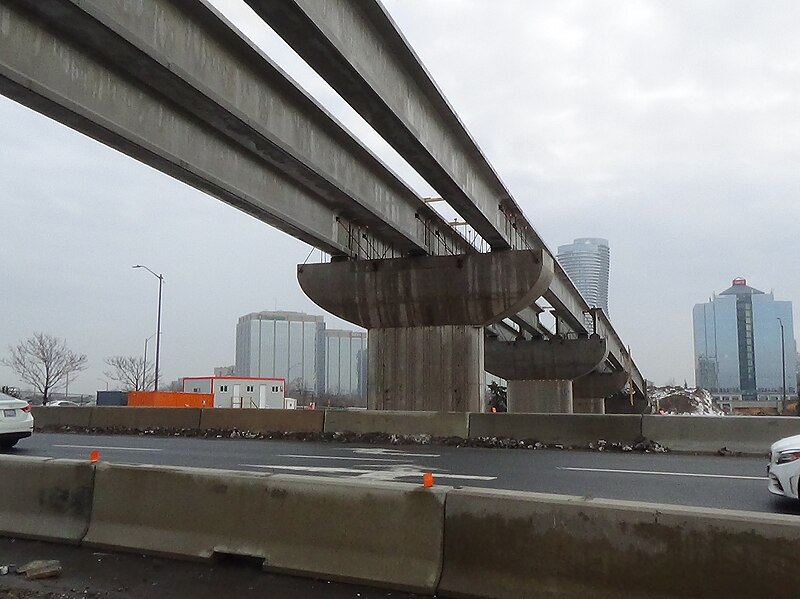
(671, 128)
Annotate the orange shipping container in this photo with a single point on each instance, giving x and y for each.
(169, 399)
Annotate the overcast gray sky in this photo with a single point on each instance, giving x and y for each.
(670, 128)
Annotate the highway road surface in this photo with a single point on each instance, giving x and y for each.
(737, 483)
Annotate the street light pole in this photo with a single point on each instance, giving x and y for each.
(783, 368)
(144, 366)
(158, 321)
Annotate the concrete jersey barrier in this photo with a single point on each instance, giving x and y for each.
(262, 421)
(453, 542)
(45, 417)
(508, 545)
(377, 533)
(435, 424)
(746, 434)
(45, 498)
(567, 429)
(145, 418)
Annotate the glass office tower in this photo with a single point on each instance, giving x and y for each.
(346, 363)
(288, 345)
(587, 262)
(737, 345)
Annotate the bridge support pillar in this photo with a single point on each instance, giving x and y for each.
(588, 405)
(426, 368)
(546, 397)
(425, 317)
(540, 372)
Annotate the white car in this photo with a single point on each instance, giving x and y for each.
(63, 403)
(784, 467)
(16, 420)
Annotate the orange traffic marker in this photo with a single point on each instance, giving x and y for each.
(427, 479)
(94, 455)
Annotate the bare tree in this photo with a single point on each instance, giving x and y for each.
(131, 372)
(45, 362)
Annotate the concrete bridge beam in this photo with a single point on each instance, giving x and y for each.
(425, 317)
(590, 390)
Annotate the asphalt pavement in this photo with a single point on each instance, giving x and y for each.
(728, 482)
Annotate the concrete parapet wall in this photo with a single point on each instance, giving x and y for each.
(746, 434)
(567, 429)
(507, 545)
(145, 418)
(263, 421)
(44, 498)
(61, 416)
(387, 534)
(436, 424)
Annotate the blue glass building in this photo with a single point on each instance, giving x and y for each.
(737, 345)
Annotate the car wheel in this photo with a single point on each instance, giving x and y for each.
(6, 445)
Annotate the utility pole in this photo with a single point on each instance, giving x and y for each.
(783, 369)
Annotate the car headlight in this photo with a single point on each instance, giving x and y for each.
(785, 457)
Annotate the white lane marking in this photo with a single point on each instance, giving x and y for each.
(108, 448)
(692, 474)
(333, 457)
(320, 469)
(391, 452)
(402, 472)
(392, 474)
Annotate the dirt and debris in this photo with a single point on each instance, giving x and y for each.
(38, 569)
(92, 574)
(641, 444)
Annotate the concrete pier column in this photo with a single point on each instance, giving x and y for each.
(426, 368)
(543, 397)
(588, 405)
(425, 317)
(540, 371)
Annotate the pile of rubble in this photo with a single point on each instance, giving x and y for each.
(672, 399)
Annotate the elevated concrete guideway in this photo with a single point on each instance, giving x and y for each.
(175, 86)
(253, 138)
(357, 48)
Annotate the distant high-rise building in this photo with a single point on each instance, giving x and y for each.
(287, 345)
(737, 345)
(587, 262)
(345, 363)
